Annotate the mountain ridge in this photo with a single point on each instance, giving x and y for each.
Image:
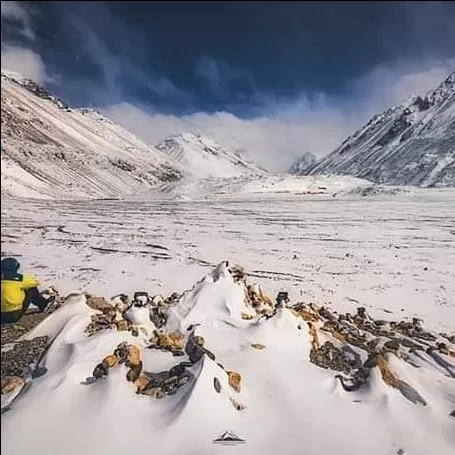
(203, 157)
(50, 150)
(412, 143)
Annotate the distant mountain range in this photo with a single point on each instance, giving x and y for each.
(203, 157)
(50, 150)
(409, 144)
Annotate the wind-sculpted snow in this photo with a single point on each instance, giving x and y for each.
(227, 357)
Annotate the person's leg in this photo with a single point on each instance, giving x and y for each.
(34, 296)
(11, 316)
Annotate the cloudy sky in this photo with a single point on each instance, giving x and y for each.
(275, 78)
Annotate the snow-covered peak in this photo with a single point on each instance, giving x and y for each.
(49, 151)
(13, 76)
(409, 144)
(203, 157)
(33, 87)
(303, 164)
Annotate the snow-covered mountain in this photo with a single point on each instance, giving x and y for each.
(51, 150)
(303, 164)
(409, 144)
(202, 157)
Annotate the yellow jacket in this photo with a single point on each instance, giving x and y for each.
(13, 292)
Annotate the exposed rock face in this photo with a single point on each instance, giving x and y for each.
(50, 150)
(409, 144)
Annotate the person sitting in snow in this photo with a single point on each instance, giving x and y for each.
(18, 292)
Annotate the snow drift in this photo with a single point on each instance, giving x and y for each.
(274, 373)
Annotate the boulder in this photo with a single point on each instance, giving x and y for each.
(134, 372)
(141, 383)
(122, 325)
(110, 361)
(11, 383)
(234, 380)
(98, 303)
(134, 356)
(217, 385)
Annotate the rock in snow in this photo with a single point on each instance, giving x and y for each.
(409, 144)
(292, 393)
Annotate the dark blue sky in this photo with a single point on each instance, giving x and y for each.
(182, 57)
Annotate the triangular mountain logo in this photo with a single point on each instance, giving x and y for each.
(229, 438)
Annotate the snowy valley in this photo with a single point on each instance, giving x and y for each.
(335, 335)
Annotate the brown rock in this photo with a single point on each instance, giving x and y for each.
(199, 340)
(134, 372)
(10, 383)
(257, 346)
(122, 325)
(306, 314)
(442, 348)
(313, 335)
(234, 380)
(387, 376)
(177, 340)
(98, 303)
(246, 316)
(152, 392)
(141, 383)
(217, 385)
(264, 298)
(109, 361)
(134, 355)
(339, 336)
